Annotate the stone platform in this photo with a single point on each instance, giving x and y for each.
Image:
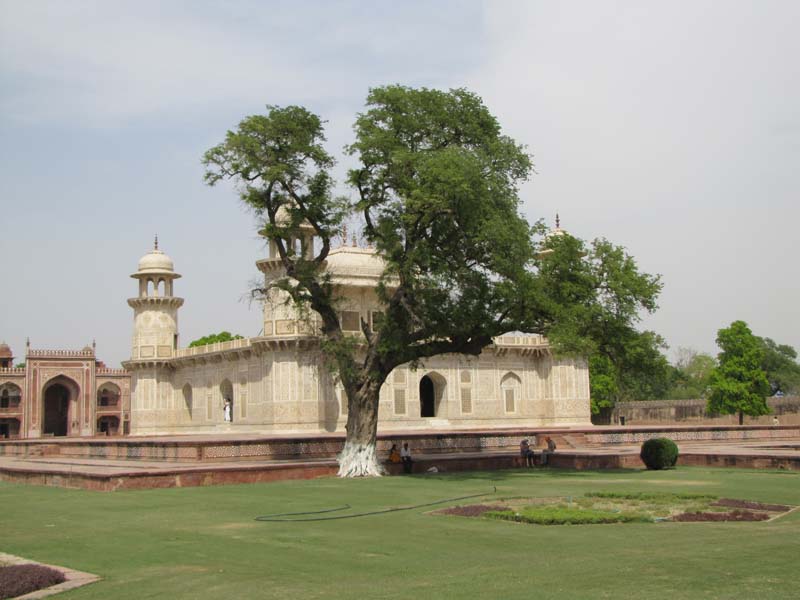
(135, 463)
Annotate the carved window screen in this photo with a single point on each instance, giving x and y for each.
(399, 402)
(510, 400)
(466, 400)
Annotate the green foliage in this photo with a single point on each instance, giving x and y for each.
(659, 453)
(691, 375)
(563, 515)
(594, 297)
(604, 382)
(781, 367)
(213, 338)
(436, 184)
(739, 384)
(20, 365)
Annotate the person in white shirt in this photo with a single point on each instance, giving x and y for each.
(405, 456)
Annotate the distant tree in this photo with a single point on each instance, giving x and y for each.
(213, 338)
(598, 294)
(631, 366)
(20, 365)
(690, 376)
(780, 366)
(738, 384)
(436, 184)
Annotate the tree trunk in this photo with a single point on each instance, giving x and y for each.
(359, 457)
(741, 417)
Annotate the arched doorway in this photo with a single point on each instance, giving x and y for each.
(56, 416)
(431, 395)
(226, 391)
(510, 386)
(427, 397)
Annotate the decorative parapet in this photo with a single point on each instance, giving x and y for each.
(215, 347)
(524, 344)
(61, 353)
(12, 371)
(107, 371)
(533, 341)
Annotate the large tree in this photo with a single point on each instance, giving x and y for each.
(596, 294)
(738, 384)
(436, 184)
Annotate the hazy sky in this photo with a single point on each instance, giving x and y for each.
(671, 128)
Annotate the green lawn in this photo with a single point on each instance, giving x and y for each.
(205, 543)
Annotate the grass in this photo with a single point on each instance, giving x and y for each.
(604, 507)
(205, 543)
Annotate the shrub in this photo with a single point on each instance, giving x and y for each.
(659, 453)
(16, 580)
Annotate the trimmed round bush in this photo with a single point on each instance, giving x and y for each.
(659, 453)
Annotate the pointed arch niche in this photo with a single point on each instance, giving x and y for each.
(510, 390)
(431, 395)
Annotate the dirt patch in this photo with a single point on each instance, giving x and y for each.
(734, 515)
(733, 503)
(474, 510)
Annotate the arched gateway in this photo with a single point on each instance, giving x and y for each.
(58, 405)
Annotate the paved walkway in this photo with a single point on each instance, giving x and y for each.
(100, 467)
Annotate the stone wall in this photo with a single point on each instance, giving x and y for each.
(693, 412)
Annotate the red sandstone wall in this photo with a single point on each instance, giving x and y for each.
(693, 412)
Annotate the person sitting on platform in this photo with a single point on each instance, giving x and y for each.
(526, 453)
(394, 455)
(551, 448)
(405, 456)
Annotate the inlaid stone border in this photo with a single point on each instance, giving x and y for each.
(74, 579)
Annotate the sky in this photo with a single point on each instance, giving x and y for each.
(670, 128)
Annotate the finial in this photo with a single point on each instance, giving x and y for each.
(355, 242)
(558, 222)
(344, 234)
(94, 345)
(28, 343)
(155, 244)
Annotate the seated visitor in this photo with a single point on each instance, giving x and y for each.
(526, 453)
(394, 454)
(405, 456)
